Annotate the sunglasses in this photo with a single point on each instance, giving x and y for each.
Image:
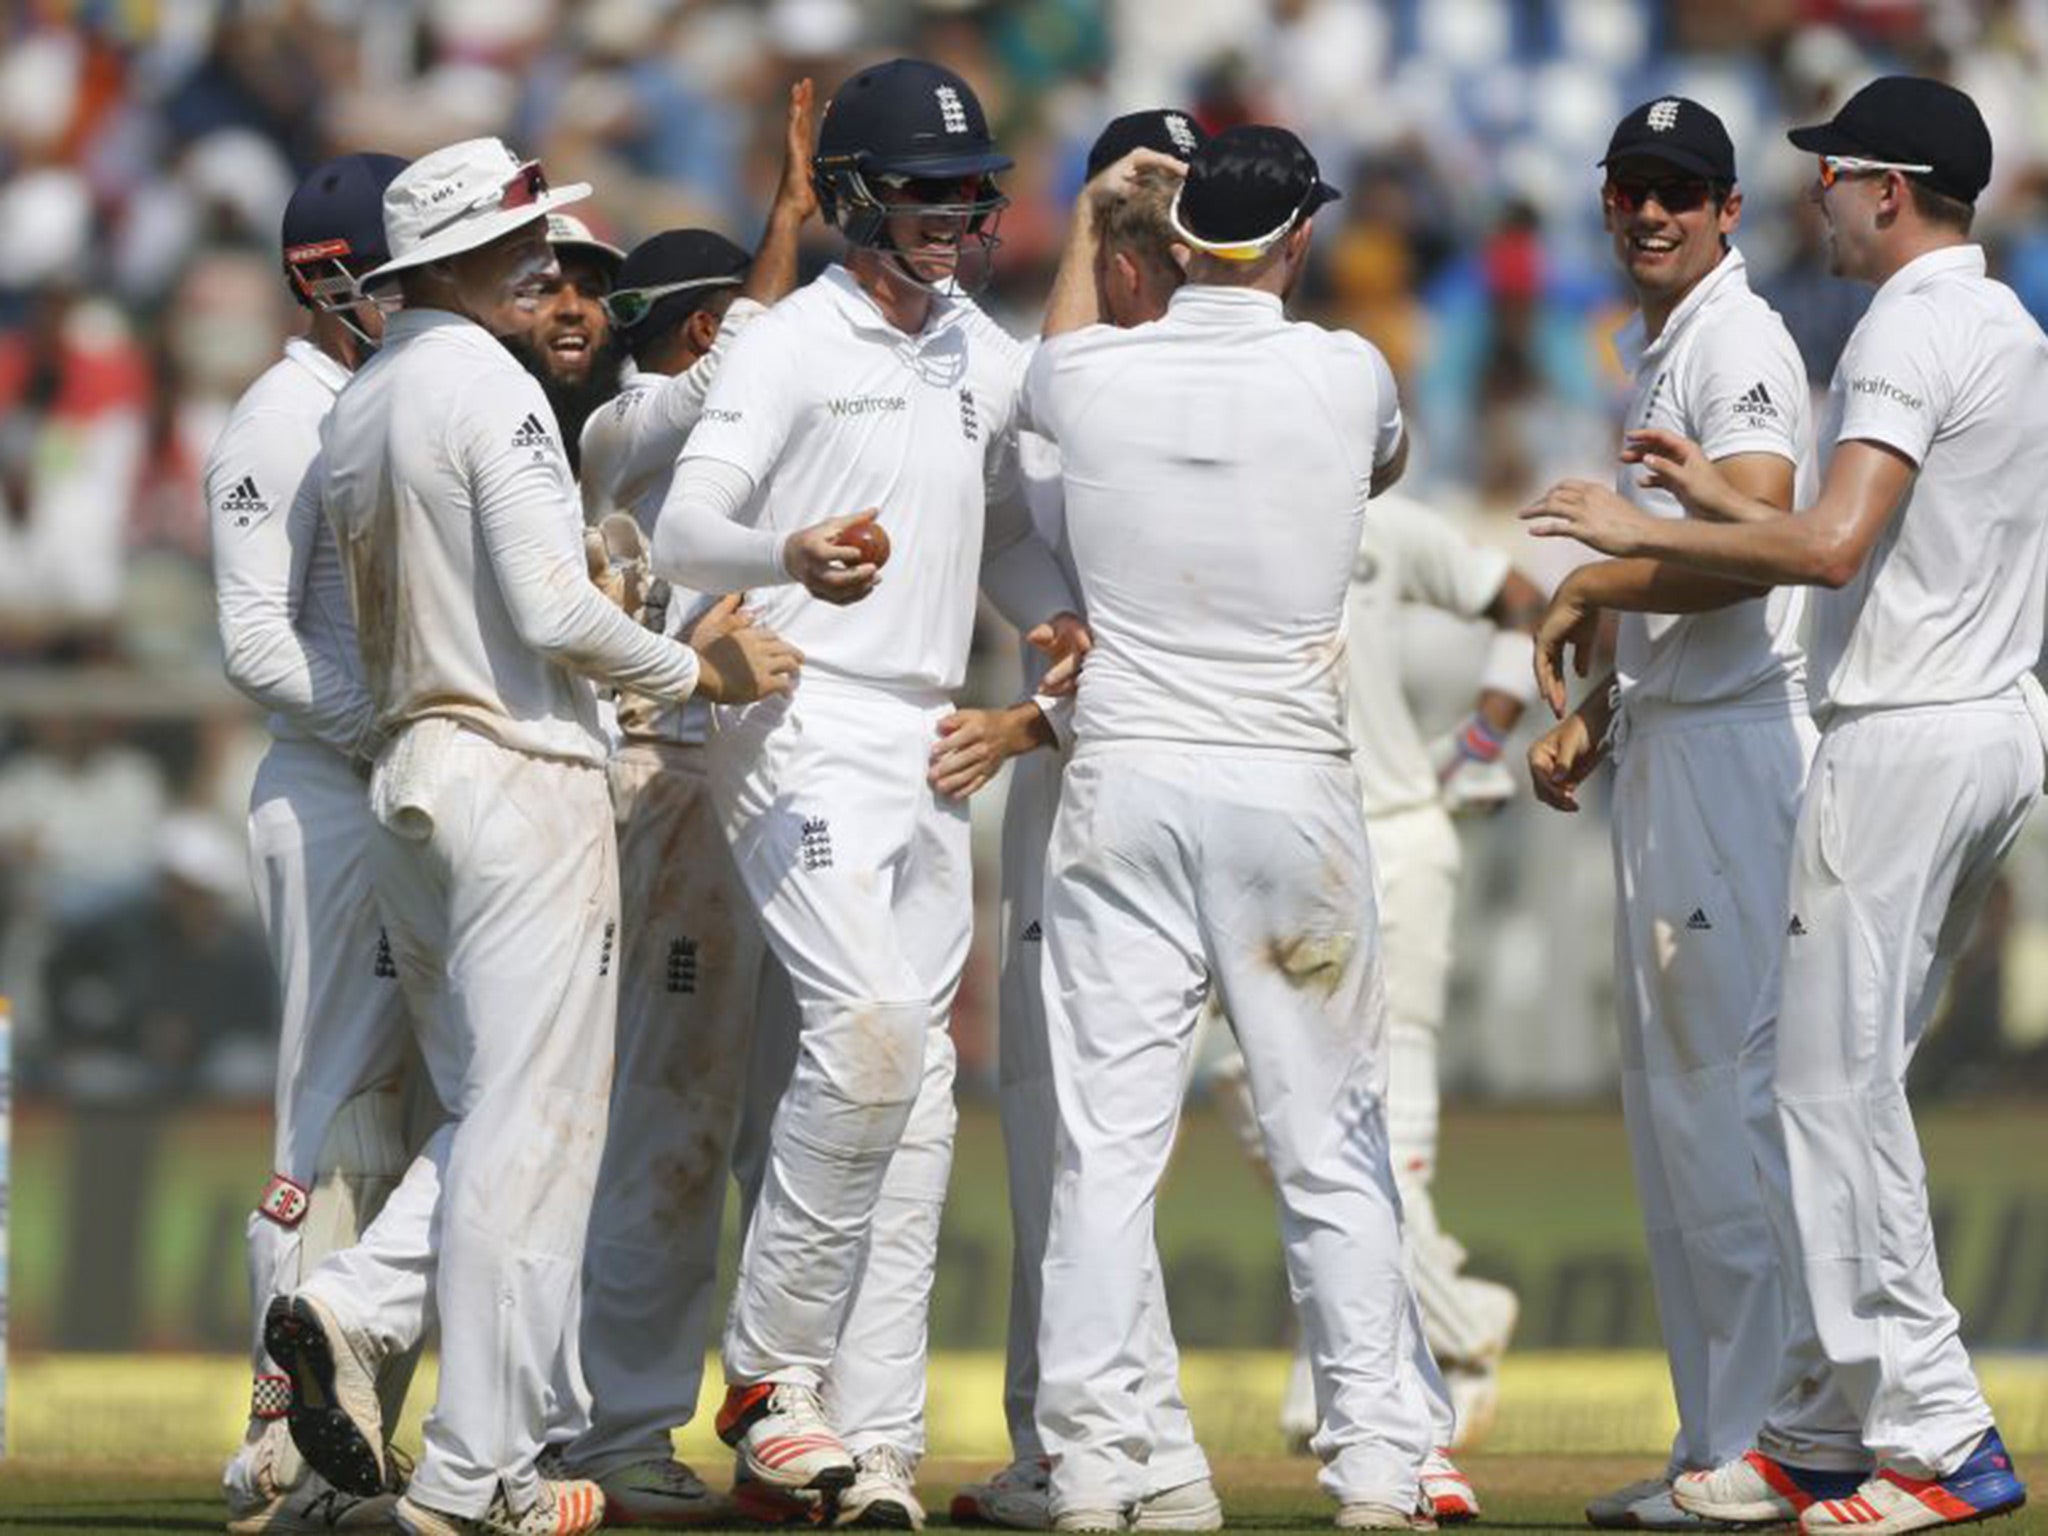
(944, 191)
(1677, 194)
(522, 189)
(1834, 167)
(627, 307)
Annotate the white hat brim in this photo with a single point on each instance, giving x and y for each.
(472, 233)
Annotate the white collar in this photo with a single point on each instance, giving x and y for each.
(1221, 299)
(1967, 259)
(859, 306)
(330, 373)
(1730, 271)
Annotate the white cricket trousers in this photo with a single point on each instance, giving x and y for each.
(1173, 870)
(1907, 817)
(1705, 801)
(343, 1039)
(859, 873)
(690, 962)
(498, 878)
(1030, 1119)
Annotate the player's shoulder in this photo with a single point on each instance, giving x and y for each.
(1742, 324)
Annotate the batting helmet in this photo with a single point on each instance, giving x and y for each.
(914, 128)
(334, 229)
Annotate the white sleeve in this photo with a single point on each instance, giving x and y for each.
(1019, 572)
(1439, 567)
(1894, 390)
(698, 542)
(752, 402)
(528, 516)
(1743, 392)
(660, 421)
(263, 496)
(1387, 426)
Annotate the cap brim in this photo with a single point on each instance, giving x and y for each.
(610, 255)
(1669, 154)
(1825, 139)
(1324, 194)
(950, 165)
(467, 236)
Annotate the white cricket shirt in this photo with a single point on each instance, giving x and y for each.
(1216, 464)
(1408, 554)
(285, 626)
(829, 409)
(628, 455)
(1726, 373)
(462, 534)
(1947, 368)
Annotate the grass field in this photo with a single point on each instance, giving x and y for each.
(131, 1444)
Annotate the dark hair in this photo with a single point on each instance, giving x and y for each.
(1939, 208)
(670, 315)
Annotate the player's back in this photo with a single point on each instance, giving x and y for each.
(441, 419)
(1217, 464)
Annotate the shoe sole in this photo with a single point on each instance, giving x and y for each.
(1982, 1517)
(833, 1481)
(882, 1514)
(320, 1427)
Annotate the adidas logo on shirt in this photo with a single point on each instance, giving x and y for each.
(1756, 403)
(532, 433)
(1795, 929)
(245, 504)
(1033, 933)
(1699, 922)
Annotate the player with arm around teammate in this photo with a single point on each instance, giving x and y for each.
(1209, 832)
(492, 859)
(1928, 542)
(339, 1141)
(877, 389)
(691, 955)
(1715, 739)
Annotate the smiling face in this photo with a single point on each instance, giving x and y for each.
(927, 225)
(1669, 227)
(570, 327)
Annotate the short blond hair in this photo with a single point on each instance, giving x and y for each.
(1137, 222)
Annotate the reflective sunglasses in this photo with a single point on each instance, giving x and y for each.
(522, 189)
(1834, 167)
(627, 307)
(1677, 194)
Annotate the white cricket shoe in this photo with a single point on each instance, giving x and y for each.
(883, 1492)
(1643, 1506)
(1091, 1520)
(335, 1417)
(1184, 1507)
(1364, 1515)
(779, 1429)
(263, 1507)
(1756, 1489)
(1446, 1492)
(1018, 1497)
(662, 1492)
(570, 1508)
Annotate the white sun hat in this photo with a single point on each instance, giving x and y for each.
(461, 197)
(567, 232)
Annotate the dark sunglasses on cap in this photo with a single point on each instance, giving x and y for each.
(1674, 194)
(629, 306)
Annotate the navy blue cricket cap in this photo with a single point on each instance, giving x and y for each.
(1246, 188)
(1161, 128)
(1907, 120)
(1678, 131)
(337, 215)
(685, 266)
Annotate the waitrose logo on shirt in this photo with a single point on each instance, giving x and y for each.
(866, 405)
(1873, 385)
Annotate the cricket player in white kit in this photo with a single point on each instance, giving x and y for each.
(1930, 538)
(1128, 255)
(290, 644)
(1209, 831)
(493, 859)
(875, 389)
(1710, 752)
(691, 955)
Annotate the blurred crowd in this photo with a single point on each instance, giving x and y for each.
(147, 149)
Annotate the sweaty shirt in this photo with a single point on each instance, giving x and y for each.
(828, 409)
(462, 534)
(629, 450)
(1948, 369)
(1726, 373)
(1216, 465)
(285, 625)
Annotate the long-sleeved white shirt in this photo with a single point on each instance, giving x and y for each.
(629, 453)
(285, 626)
(462, 534)
(824, 409)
